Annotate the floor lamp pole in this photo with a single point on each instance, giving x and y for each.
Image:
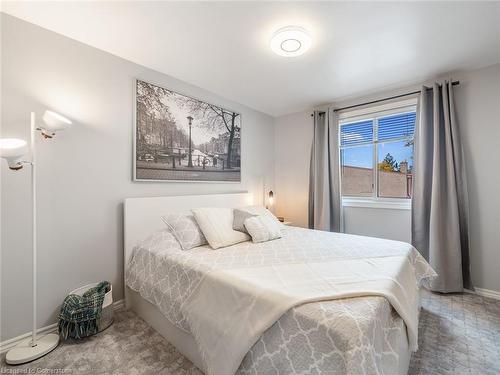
(33, 225)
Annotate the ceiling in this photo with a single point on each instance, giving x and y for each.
(223, 47)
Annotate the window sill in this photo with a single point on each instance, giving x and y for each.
(391, 204)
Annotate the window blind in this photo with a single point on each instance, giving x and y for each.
(396, 126)
(356, 133)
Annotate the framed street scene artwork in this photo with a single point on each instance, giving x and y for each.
(178, 138)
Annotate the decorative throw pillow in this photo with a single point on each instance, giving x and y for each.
(261, 210)
(185, 230)
(239, 217)
(217, 226)
(262, 228)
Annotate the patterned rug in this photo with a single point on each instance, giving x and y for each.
(459, 334)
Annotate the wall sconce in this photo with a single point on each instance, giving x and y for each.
(271, 198)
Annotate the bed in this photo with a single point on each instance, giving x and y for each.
(350, 335)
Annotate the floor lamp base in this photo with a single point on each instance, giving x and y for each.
(24, 352)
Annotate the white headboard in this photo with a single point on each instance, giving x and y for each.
(142, 216)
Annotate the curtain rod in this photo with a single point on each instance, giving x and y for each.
(454, 83)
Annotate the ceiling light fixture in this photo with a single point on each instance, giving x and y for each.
(290, 41)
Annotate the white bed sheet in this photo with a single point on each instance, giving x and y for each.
(352, 335)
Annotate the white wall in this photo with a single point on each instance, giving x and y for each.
(477, 102)
(293, 147)
(393, 224)
(86, 172)
(478, 106)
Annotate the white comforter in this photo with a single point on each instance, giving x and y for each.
(234, 296)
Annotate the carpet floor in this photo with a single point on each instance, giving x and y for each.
(458, 334)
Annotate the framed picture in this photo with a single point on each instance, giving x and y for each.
(179, 138)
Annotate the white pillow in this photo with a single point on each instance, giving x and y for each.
(185, 230)
(217, 226)
(261, 210)
(239, 217)
(262, 228)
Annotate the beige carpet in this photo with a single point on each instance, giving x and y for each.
(459, 334)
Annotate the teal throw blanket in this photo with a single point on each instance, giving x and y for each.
(80, 315)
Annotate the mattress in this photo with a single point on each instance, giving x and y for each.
(345, 336)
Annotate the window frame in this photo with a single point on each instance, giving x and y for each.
(374, 113)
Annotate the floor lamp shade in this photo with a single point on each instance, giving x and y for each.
(13, 150)
(53, 122)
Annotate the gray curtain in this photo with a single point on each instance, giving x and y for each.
(440, 201)
(324, 179)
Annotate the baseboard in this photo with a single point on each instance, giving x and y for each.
(118, 305)
(485, 293)
(10, 343)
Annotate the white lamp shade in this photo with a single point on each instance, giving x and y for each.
(54, 122)
(13, 150)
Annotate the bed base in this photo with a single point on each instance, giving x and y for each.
(184, 342)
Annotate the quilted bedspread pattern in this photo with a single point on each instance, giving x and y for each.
(354, 335)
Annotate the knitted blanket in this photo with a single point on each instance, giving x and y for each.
(80, 315)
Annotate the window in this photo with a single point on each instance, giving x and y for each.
(376, 154)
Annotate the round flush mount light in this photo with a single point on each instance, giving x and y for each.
(290, 41)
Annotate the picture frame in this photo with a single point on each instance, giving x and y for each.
(178, 138)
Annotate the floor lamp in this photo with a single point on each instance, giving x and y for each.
(14, 150)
